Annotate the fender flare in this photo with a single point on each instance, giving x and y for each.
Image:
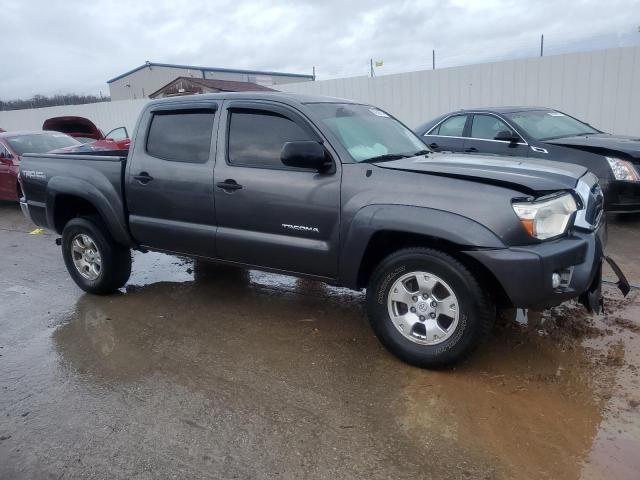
(438, 224)
(107, 202)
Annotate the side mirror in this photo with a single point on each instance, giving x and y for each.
(304, 154)
(507, 136)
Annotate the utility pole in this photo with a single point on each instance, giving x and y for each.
(541, 44)
(372, 68)
(433, 58)
(314, 73)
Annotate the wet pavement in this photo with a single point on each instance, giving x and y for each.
(197, 371)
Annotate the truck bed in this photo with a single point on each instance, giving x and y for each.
(94, 174)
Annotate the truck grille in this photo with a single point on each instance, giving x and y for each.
(593, 202)
(595, 205)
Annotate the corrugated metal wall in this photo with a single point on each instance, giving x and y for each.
(106, 115)
(600, 87)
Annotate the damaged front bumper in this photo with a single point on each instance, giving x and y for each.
(549, 273)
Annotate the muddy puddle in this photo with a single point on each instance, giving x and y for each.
(285, 374)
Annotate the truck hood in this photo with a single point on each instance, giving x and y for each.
(604, 143)
(74, 126)
(515, 172)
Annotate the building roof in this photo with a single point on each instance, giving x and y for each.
(221, 85)
(210, 69)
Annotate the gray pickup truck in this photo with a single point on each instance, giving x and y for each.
(336, 191)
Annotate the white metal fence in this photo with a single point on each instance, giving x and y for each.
(106, 115)
(600, 87)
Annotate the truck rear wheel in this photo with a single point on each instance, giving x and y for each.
(427, 308)
(94, 260)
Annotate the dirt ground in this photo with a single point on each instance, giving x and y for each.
(196, 371)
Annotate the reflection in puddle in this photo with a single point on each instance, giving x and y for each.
(155, 267)
(279, 361)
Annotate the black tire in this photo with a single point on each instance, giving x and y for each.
(115, 259)
(476, 313)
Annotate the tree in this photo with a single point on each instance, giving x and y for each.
(40, 101)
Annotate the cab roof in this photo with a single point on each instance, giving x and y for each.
(284, 97)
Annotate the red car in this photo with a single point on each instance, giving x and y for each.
(86, 131)
(14, 144)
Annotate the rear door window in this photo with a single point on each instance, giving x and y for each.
(451, 127)
(181, 136)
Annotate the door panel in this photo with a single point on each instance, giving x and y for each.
(448, 136)
(269, 215)
(170, 182)
(482, 133)
(7, 179)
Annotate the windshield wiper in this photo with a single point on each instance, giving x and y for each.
(567, 136)
(421, 152)
(395, 156)
(386, 157)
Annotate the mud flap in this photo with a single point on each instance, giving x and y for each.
(623, 283)
(592, 298)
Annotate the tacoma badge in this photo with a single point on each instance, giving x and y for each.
(301, 228)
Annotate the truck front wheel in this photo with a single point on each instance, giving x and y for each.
(94, 260)
(427, 308)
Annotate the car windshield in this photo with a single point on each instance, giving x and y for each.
(40, 142)
(546, 124)
(367, 133)
(85, 139)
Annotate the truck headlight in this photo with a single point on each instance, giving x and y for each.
(548, 216)
(623, 170)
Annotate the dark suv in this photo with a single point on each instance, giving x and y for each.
(545, 134)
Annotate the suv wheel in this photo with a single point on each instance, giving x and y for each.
(427, 308)
(94, 260)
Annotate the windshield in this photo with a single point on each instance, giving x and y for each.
(85, 139)
(545, 124)
(40, 142)
(368, 134)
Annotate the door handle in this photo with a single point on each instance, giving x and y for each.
(229, 185)
(433, 145)
(143, 178)
(471, 149)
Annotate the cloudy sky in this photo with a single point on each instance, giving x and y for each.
(76, 45)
